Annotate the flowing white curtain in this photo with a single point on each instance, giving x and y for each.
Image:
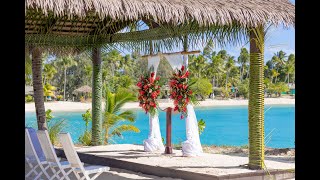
(175, 60)
(192, 146)
(154, 141)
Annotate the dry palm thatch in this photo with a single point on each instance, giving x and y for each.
(83, 89)
(206, 12)
(92, 23)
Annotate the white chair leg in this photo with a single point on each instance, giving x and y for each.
(96, 175)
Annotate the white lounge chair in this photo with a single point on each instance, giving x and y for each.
(52, 158)
(76, 164)
(32, 158)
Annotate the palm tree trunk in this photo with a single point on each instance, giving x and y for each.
(96, 97)
(288, 79)
(38, 88)
(256, 100)
(64, 86)
(227, 81)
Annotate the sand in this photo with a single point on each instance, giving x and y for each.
(78, 106)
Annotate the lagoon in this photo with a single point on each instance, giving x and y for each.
(225, 125)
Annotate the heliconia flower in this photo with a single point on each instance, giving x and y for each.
(179, 85)
(184, 109)
(153, 104)
(190, 92)
(179, 97)
(187, 100)
(175, 108)
(141, 92)
(175, 102)
(151, 80)
(182, 68)
(152, 74)
(158, 78)
(139, 84)
(145, 87)
(185, 86)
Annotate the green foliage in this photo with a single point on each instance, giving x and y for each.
(113, 114)
(201, 126)
(217, 91)
(278, 88)
(49, 116)
(243, 88)
(28, 98)
(54, 126)
(87, 117)
(59, 97)
(202, 87)
(85, 138)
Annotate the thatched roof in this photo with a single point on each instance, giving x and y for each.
(205, 12)
(83, 89)
(89, 23)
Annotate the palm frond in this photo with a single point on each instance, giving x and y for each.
(124, 128)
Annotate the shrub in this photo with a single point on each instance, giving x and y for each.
(85, 139)
(202, 87)
(243, 88)
(201, 126)
(59, 97)
(217, 91)
(29, 98)
(54, 126)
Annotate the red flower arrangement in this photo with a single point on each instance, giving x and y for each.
(149, 90)
(180, 91)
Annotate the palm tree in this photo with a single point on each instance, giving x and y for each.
(216, 68)
(289, 67)
(48, 72)
(228, 66)
(113, 114)
(243, 60)
(278, 60)
(66, 62)
(197, 66)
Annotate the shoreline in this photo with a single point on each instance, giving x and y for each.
(62, 106)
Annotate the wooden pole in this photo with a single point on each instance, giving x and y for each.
(168, 149)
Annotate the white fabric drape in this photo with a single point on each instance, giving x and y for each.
(154, 141)
(175, 60)
(192, 146)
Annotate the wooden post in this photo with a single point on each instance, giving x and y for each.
(168, 149)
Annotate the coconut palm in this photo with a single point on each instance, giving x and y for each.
(243, 61)
(228, 66)
(289, 67)
(113, 114)
(48, 72)
(65, 63)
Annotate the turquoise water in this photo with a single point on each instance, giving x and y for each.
(224, 125)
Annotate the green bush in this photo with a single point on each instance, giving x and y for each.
(201, 126)
(217, 91)
(202, 87)
(59, 97)
(29, 98)
(243, 88)
(85, 139)
(54, 126)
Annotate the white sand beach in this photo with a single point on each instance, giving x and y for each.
(78, 106)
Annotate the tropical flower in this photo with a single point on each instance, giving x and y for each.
(149, 90)
(180, 91)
